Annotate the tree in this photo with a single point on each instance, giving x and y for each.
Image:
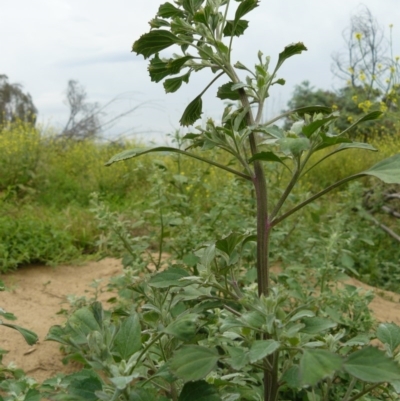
(83, 121)
(15, 104)
(367, 63)
(85, 118)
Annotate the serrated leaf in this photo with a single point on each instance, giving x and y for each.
(261, 348)
(289, 51)
(168, 278)
(315, 325)
(191, 6)
(128, 338)
(389, 334)
(30, 337)
(168, 10)
(235, 28)
(387, 170)
(317, 364)
(245, 7)
(225, 92)
(372, 365)
(173, 84)
(193, 362)
(159, 69)
(154, 41)
(199, 391)
(192, 112)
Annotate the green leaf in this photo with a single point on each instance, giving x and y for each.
(368, 117)
(122, 382)
(159, 69)
(192, 112)
(193, 362)
(312, 110)
(32, 395)
(199, 391)
(372, 365)
(85, 388)
(235, 28)
(191, 6)
(184, 328)
(128, 338)
(266, 157)
(173, 84)
(97, 310)
(261, 348)
(389, 334)
(169, 278)
(356, 145)
(154, 41)
(7, 315)
(245, 7)
(295, 146)
(387, 170)
(29, 336)
(317, 364)
(302, 314)
(309, 129)
(289, 51)
(292, 377)
(315, 325)
(225, 92)
(168, 10)
(141, 394)
(229, 243)
(83, 321)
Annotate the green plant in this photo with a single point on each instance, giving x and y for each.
(210, 332)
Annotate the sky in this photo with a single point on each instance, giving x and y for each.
(45, 43)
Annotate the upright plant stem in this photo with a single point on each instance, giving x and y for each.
(263, 230)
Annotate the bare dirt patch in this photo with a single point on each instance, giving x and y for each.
(36, 293)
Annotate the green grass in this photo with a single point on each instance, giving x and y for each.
(50, 215)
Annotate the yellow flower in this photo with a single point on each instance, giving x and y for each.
(397, 58)
(392, 69)
(362, 76)
(358, 35)
(354, 98)
(334, 107)
(351, 70)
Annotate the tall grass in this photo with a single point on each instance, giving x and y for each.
(47, 215)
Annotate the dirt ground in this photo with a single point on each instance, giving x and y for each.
(36, 293)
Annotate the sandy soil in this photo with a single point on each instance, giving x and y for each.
(36, 293)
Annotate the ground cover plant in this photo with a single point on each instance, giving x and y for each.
(203, 327)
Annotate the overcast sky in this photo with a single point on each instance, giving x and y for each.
(45, 43)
